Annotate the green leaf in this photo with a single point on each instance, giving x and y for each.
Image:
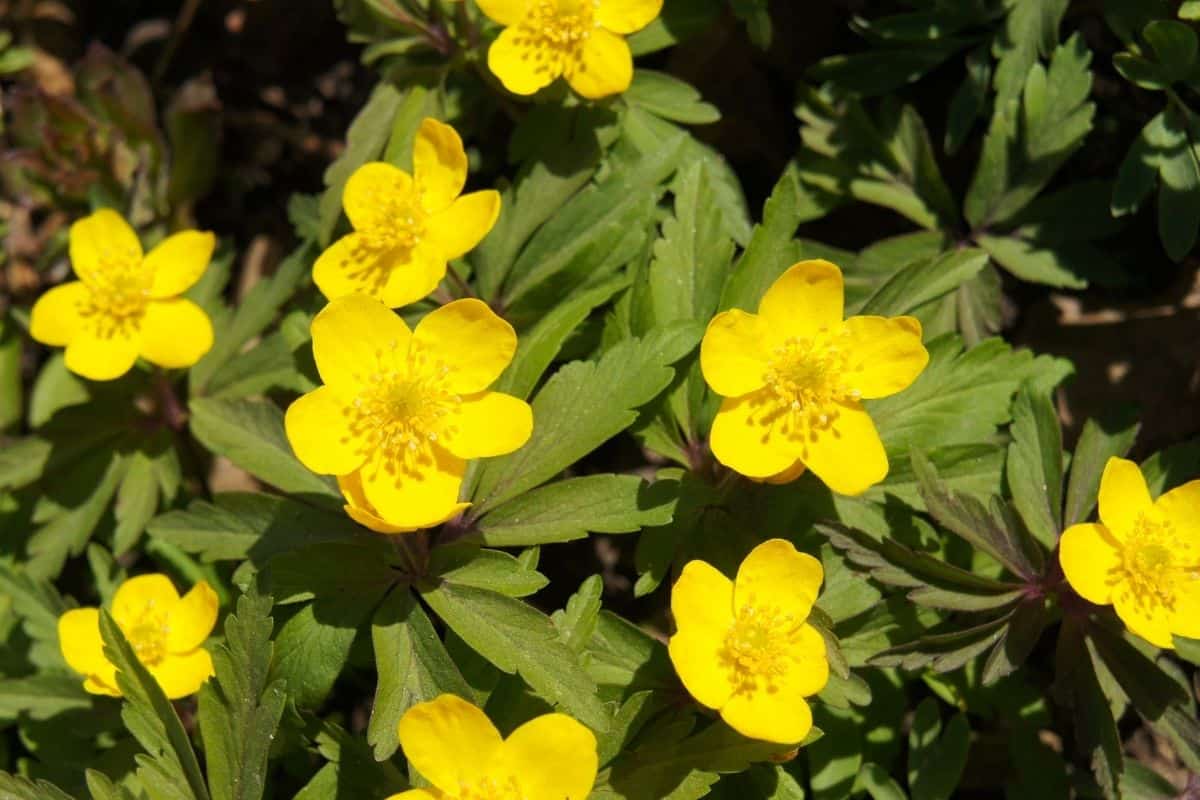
(1032, 263)
(679, 20)
(944, 652)
(1098, 442)
(42, 696)
(1179, 184)
(101, 787)
(1139, 782)
(313, 646)
(12, 395)
(936, 759)
(1174, 45)
(879, 784)
(1035, 463)
(250, 434)
(38, 605)
(1030, 30)
(240, 708)
(577, 621)
(1172, 466)
(1095, 727)
(137, 500)
(1151, 691)
(467, 565)
(519, 639)
(151, 719)
(969, 101)
(320, 571)
(16, 787)
(604, 394)
(924, 281)
(1024, 630)
(573, 508)
(882, 71)
(412, 664)
(670, 98)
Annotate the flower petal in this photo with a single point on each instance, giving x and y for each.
(504, 12)
(519, 66)
(80, 641)
(809, 671)
(351, 266)
(106, 685)
(487, 424)
(627, 16)
(605, 66)
(698, 656)
(182, 675)
(1123, 497)
(552, 756)
(1090, 558)
(354, 337)
(418, 494)
(744, 441)
(702, 599)
(359, 510)
(175, 333)
(846, 454)
(1186, 620)
(449, 741)
(470, 340)
(56, 318)
(885, 354)
(457, 229)
(178, 261)
(99, 239)
(439, 165)
(192, 619)
(415, 794)
(318, 428)
(415, 277)
(102, 358)
(140, 594)
(1181, 507)
(776, 574)
(733, 353)
(787, 476)
(805, 299)
(1152, 622)
(781, 716)
(370, 190)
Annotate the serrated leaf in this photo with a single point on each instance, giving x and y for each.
(1030, 30)
(1151, 691)
(924, 281)
(670, 98)
(494, 570)
(1098, 442)
(137, 500)
(943, 652)
(577, 621)
(42, 696)
(1035, 463)
(313, 645)
(17, 787)
(1023, 632)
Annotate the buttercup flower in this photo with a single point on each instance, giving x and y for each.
(1142, 557)
(456, 748)
(401, 412)
(126, 304)
(744, 647)
(580, 40)
(794, 376)
(406, 227)
(166, 632)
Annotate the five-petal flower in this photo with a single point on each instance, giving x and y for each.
(457, 748)
(126, 304)
(745, 647)
(580, 40)
(794, 375)
(166, 632)
(402, 411)
(1142, 557)
(407, 227)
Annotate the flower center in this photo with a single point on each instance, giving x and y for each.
(119, 293)
(392, 230)
(148, 636)
(807, 378)
(756, 646)
(554, 32)
(1153, 559)
(491, 789)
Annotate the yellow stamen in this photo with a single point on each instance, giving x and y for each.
(757, 645)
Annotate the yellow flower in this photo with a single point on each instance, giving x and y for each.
(580, 40)
(456, 748)
(126, 304)
(1143, 557)
(401, 412)
(406, 227)
(166, 632)
(744, 647)
(794, 376)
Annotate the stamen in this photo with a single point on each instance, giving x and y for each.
(554, 33)
(756, 649)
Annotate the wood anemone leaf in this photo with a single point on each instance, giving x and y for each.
(1028, 621)
(945, 652)
(1149, 688)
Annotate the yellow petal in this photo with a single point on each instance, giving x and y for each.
(468, 339)
(418, 494)
(439, 165)
(1181, 508)
(787, 476)
(414, 277)
(457, 229)
(371, 190)
(808, 671)
(733, 353)
(355, 337)
(192, 619)
(98, 685)
(1151, 621)
(80, 642)
(627, 16)
(56, 318)
(702, 599)
(504, 12)
(698, 657)
(521, 68)
(415, 794)
(1123, 497)
(846, 454)
(743, 438)
(102, 358)
(781, 716)
(318, 428)
(101, 240)
(359, 510)
(1186, 620)
(178, 261)
(1091, 560)
(352, 266)
(487, 424)
(553, 757)
(885, 354)
(136, 596)
(182, 675)
(449, 741)
(776, 574)
(175, 333)
(804, 300)
(605, 66)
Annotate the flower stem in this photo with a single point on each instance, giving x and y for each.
(174, 415)
(458, 281)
